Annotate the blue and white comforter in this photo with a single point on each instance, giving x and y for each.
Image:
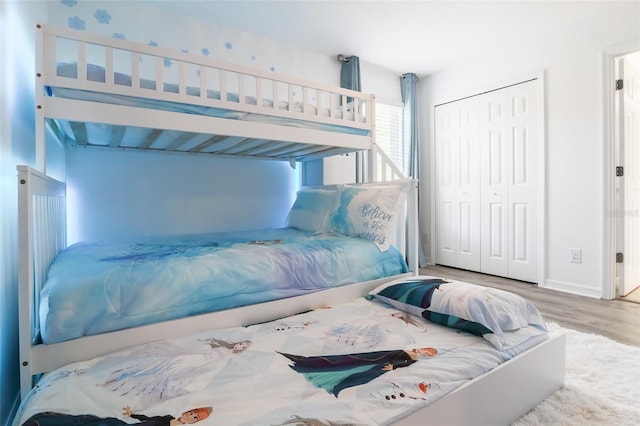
(98, 287)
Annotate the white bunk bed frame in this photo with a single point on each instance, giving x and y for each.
(252, 139)
(42, 228)
(42, 199)
(42, 232)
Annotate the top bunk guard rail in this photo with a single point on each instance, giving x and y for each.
(80, 74)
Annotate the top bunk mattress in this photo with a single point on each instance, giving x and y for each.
(97, 287)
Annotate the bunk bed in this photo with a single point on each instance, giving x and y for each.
(89, 97)
(107, 92)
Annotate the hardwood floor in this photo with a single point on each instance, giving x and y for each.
(616, 319)
(634, 296)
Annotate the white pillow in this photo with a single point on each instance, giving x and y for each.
(491, 312)
(370, 211)
(313, 209)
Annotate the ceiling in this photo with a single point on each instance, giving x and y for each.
(422, 37)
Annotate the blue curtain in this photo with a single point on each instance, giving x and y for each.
(350, 74)
(350, 79)
(411, 135)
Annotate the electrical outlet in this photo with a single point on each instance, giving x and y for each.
(576, 256)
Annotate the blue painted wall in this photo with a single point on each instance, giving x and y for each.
(173, 194)
(17, 29)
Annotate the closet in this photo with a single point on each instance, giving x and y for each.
(486, 189)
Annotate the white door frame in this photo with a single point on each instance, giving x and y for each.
(609, 157)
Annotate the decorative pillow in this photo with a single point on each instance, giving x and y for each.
(313, 209)
(497, 310)
(455, 322)
(412, 296)
(370, 211)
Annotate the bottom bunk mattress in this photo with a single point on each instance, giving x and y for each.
(363, 362)
(98, 287)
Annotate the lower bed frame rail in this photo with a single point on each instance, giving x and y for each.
(42, 235)
(502, 395)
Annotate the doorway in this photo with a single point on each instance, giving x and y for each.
(627, 181)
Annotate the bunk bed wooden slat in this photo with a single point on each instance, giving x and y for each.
(83, 111)
(117, 134)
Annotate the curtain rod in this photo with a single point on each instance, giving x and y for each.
(344, 58)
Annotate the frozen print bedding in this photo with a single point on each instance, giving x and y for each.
(98, 287)
(364, 362)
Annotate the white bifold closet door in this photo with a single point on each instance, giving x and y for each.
(486, 182)
(458, 184)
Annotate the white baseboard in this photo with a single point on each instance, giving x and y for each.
(573, 288)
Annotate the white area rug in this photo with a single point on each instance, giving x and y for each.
(602, 385)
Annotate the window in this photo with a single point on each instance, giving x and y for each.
(389, 133)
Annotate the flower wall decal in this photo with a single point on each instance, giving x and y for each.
(119, 18)
(102, 16)
(76, 23)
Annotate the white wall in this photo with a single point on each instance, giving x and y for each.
(385, 85)
(17, 29)
(570, 56)
(148, 22)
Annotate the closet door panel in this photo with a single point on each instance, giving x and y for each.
(457, 189)
(468, 191)
(521, 156)
(523, 181)
(466, 219)
(494, 196)
(497, 249)
(449, 235)
(495, 178)
(468, 247)
(446, 233)
(521, 237)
